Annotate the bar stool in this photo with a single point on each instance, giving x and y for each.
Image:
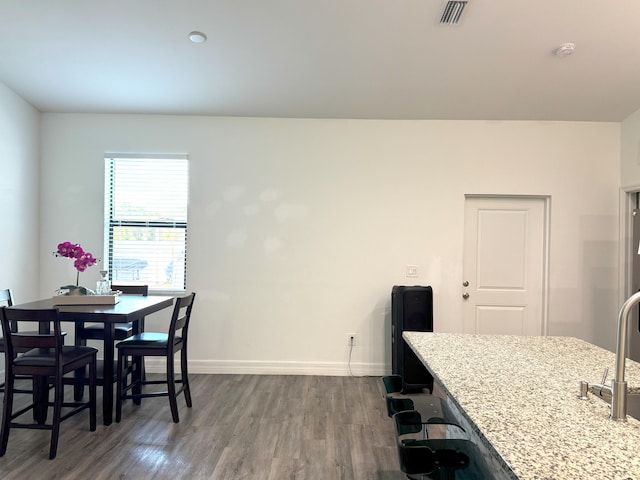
(431, 407)
(421, 457)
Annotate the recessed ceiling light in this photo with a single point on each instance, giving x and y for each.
(197, 37)
(564, 50)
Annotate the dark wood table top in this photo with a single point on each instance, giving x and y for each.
(128, 309)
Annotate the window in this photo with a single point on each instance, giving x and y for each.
(146, 220)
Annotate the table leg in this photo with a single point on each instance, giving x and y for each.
(78, 387)
(108, 370)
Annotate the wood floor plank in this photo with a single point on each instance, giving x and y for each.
(249, 427)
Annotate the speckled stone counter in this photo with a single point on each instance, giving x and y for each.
(519, 394)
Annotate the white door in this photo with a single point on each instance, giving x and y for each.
(504, 265)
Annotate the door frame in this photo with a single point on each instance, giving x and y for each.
(627, 205)
(625, 252)
(546, 199)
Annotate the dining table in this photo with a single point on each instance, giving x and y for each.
(130, 308)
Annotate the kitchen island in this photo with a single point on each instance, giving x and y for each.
(519, 397)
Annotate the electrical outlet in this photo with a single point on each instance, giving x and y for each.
(352, 340)
(412, 271)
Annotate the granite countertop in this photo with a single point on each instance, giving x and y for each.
(520, 395)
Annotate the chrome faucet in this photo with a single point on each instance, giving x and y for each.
(617, 392)
(618, 384)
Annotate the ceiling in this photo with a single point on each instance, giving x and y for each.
(379, 59)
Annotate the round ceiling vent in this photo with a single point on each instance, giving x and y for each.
(197, 37)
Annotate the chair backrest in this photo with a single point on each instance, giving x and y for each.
(6, 298)
(393, 390)
(392, 384)
(132, 289)
(18, 342)
(407, 422)
(398, 404)
(181, 316)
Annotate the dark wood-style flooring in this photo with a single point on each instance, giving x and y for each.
(254, 427)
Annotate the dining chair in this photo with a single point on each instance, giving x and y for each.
(46, 360)
(154, 344)
(95, 331)
(6, 299)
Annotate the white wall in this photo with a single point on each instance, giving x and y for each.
(299, 228)
(19, 197)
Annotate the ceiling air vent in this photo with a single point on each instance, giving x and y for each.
(452, 12)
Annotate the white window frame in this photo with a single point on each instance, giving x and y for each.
(111, 223)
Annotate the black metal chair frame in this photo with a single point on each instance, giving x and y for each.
(148, 344)
(46, 360)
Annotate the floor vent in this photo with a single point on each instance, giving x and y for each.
(452, 12)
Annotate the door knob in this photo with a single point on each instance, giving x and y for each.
(465, 284)
(465, 295)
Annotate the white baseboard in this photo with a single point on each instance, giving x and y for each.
(154, 365)
(240, 367)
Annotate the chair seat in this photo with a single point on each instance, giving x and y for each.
(148, 339)
(117, 326)
(442, 459)
(46, 356)
(81, 376)
(96, 331)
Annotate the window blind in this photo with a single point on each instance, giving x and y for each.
(146, 200)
